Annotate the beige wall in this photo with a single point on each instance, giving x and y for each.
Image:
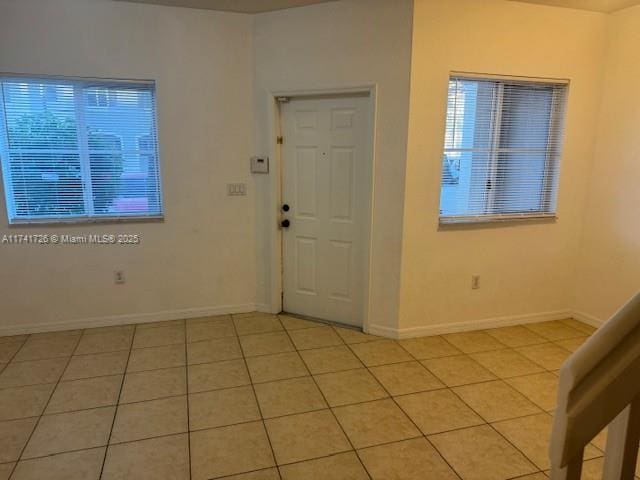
(200, 256)
(333, 46)
(525, 268)
(609, 261)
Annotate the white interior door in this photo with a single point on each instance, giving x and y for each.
(326, 184)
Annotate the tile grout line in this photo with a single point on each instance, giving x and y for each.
(186, 373)
(262, 419)
(422, 435)
(329, 407)
(115, 413)
(53, 391)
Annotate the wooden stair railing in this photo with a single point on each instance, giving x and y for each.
(599, 386)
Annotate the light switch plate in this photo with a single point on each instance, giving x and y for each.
(236, 189)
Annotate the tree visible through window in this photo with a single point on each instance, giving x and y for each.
(66, 157)
(501, 150)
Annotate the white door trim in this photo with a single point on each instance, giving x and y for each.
(275, 188)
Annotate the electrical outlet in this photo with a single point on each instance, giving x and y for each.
(475, 282)
(118, 277)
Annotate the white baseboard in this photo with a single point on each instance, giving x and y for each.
(443, 328)
(135, 318)
(586, 318)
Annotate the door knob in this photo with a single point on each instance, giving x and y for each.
(285, 207)
(285, 223)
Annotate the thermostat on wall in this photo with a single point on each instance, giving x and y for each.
(259, 164)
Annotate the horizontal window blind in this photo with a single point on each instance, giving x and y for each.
(79, 149)
(502, 149)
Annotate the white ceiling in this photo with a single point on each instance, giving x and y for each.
(245, 6)
(607, 6)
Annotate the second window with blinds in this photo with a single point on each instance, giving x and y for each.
(502, 149)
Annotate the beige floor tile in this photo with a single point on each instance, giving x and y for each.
(531, 436)
(87, 366)
(197, 332)
(506, 363)
(571, 344)
(81, 465)
(112, 329)
(351, 335)
(351, 386)
(141, 386)
(473, 342)
(540, 388)
(424, 348)
(306, 436)
(163, 323)
(229, 451)
(155, 418)
(262, 323)
(8, 350)
(13, 339)
(23, 402)
(547, 355)
(578, 325)
(266, 344)
(209, 319)
(375, 423)
(480, 453)
(157, 337)
(222, 407)
(496, 401)
(459, 370)
(534, 476)
(105, 342)
(5, 470)
(516, 336)
(38, 348)
(438, 411)
(293, 323)
(35, 372)
(382, 352)
(153, 358)
(592, 469)
(14, 435)
(64, 432)
(343, 466)
(403, 378)
(315, 338)
(330, 359)
(84, 394)
(600, 440)
(213, 350)
(164, 458)
(412, 459)
(280, 366)
(554, 330)
(266, 474)
(286, 397)
(213, 376)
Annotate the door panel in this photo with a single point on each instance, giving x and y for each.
(326, 182)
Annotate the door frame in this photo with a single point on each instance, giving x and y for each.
(275, 188)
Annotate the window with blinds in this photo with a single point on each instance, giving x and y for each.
(502, 149)
(74, 150)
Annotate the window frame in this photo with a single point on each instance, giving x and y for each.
(552, 155)
(89, 217)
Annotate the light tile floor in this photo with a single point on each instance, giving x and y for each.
(265, 397)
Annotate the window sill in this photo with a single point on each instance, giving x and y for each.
(496, 219)
(84, 221)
